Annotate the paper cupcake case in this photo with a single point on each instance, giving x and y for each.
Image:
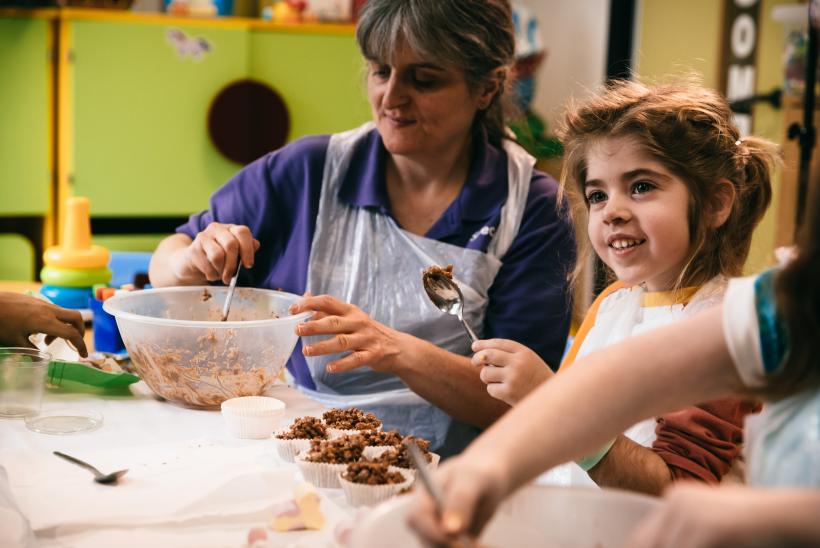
(432, 465)
(320, 474)
(359, 494)
(375, 451)
(288, 449)
(334, 433)
(252, 417)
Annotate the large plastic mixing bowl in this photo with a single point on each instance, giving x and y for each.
(537, 516)
(187, 356)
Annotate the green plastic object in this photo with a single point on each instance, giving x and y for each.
(70, 277)
(59, 371)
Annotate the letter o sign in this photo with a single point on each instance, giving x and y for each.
(743, 36)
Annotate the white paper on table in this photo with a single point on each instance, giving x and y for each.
(200, 533)
(166, 483)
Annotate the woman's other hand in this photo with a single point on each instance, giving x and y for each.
(24, 315)
(214, 253)
(472, 488)
(367, 341)
(514, 370)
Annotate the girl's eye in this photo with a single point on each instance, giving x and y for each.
(596, 196)
(642, 186)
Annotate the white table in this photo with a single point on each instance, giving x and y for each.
(173, 454)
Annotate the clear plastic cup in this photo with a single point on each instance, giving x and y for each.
(22, 379)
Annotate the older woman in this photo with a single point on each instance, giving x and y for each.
(353, 219)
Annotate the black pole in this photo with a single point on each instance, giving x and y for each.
(806, 134)
(619, 46)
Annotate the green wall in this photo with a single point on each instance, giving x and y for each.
(322, 96)
(24, 117)
(140, 117)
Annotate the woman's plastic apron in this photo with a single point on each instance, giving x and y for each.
(363, 257)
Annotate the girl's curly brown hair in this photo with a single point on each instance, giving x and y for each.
(688, 128)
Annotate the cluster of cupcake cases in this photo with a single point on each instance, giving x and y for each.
(347, 449)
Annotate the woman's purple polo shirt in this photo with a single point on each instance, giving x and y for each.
(277, 197)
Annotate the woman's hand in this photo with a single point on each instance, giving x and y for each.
(214, 253)
(696, 516)
(369, 342)
(23, 316)
(517, 372)
(472, 488)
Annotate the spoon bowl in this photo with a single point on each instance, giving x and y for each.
(446, 296)
(99, 477)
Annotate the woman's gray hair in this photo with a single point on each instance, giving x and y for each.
(477, 36)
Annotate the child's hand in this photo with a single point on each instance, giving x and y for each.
(472, 487)
(23, 316)
(517, 369)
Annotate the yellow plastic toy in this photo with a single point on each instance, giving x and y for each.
(76, 250)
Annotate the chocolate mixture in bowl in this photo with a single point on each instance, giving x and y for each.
(215, 369)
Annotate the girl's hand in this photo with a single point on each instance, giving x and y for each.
(472, 488)
(517, 372)
(214, 253)
(700, 516)
(23, 316)
(369, 342)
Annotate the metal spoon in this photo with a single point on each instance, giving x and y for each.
(99, 477)
(447, 297)
(432, 487)
(226, 308)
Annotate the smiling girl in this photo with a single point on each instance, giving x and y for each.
(671, 193)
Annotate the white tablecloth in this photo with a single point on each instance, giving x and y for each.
(189, 482)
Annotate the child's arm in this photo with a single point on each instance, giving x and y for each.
(22, 316)
(509, 369)
(695, 515)
(577, 412)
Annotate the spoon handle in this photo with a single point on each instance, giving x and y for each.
(231, 288)
(431, 486)
(78, 462)
(469, 330)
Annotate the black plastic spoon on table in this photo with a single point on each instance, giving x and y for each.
(99, 477)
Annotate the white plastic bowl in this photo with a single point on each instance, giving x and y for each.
(187, 356)
(536, 516)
